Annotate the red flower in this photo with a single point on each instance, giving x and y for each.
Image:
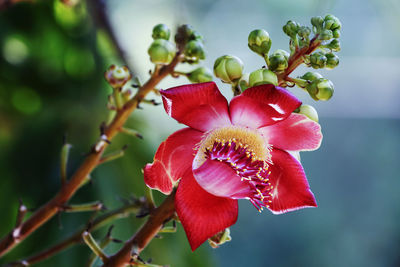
(232, 152)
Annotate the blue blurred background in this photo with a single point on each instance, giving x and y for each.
(52, 60)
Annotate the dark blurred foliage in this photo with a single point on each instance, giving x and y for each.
(51, 83)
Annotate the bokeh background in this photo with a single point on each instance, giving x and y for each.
(52, 59)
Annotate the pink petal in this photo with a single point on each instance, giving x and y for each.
(200, 106)
(219, 179)
(297, 132)
(290, 186)
(202, 214)
(173, 157)
(262, 105)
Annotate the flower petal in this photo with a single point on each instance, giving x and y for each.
(219, 179)
(173, 157)
(262, 105)
(297, 132)
(290, 186)
(200, 106)
(202, 214)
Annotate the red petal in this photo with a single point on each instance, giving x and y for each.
(219, 179)
(290, 186)
(202, 214)
(200, 106)
(173, 157)
(295, 133)
(262, 105)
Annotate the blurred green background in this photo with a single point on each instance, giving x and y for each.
(52, 59)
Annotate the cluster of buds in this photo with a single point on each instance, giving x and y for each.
(117, 77)
(161, 51)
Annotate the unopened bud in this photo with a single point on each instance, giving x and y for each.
(336, 33)
(259, 42)
(161, 51)
(317, 22)
(161, 31)
(332, 23)
(200, 75)
(184, 34)
(334, 45)
(291, 28)
(304, 32)
(332, 60)
(228, 68)
(117, 76)
(278, 61)
(262, 76)
(311, 76)
(194, 51)
(220, 238)
(244, 82)
(321, 89)
(309, 111)
(325, 34)
(318, 60)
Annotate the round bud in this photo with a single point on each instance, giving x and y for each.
(200, 75)
(332, 60)
(318, 60)
(317, 22)
(309, 111)
(336, 33)
(117, 76)
(325, 89)
(262, 76)
(194, 51)
(304, 32)
(332, 23)
(311, 76)
(161, 31)
(161, 51)
(195, 35)
(291, 28)
(228, 68)
(334, 45)
(325, 34)
(278, 62)
(259, 42)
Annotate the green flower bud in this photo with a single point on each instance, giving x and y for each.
(291, 28)
(259, 42)
(334, 45)
(332, 23)
(200, 75)
(304, 32)
(309, 111)
(311, 76)
(228, 68)
(161, 31)
(278, 61)
(336, 33)
(244, 82)
(325, 35)
(161, 51)
(184, 34)
(262, 76)
(220, 238)
(195, 35)
(321, 89)
(332, 60)
(117, 76)
(194, 51)
(317, 22)
(318, 60)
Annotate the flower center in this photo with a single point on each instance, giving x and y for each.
(246, 152)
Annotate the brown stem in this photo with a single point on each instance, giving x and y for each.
(149, 230)
(47, 211)
(298, 58)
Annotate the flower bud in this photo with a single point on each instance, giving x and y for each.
(291, 28)
(278, 61)
(259, 42)
(309, 111)
(332, 60)
(161, 51)
(334, 45)
(318, 60)
(311, 76)
(317, 22)
(220, 238)
(325, 35)
(321, 89)
(117, 76)
(262, 76)
(195, 35)
(161, 31)
(194, 51)
(336, 33)
(332, 23)
(200, 75)
(184, 34)
(244, 82)
(304, 32)
(228, 68)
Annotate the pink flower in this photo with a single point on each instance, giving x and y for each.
(244, 150)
